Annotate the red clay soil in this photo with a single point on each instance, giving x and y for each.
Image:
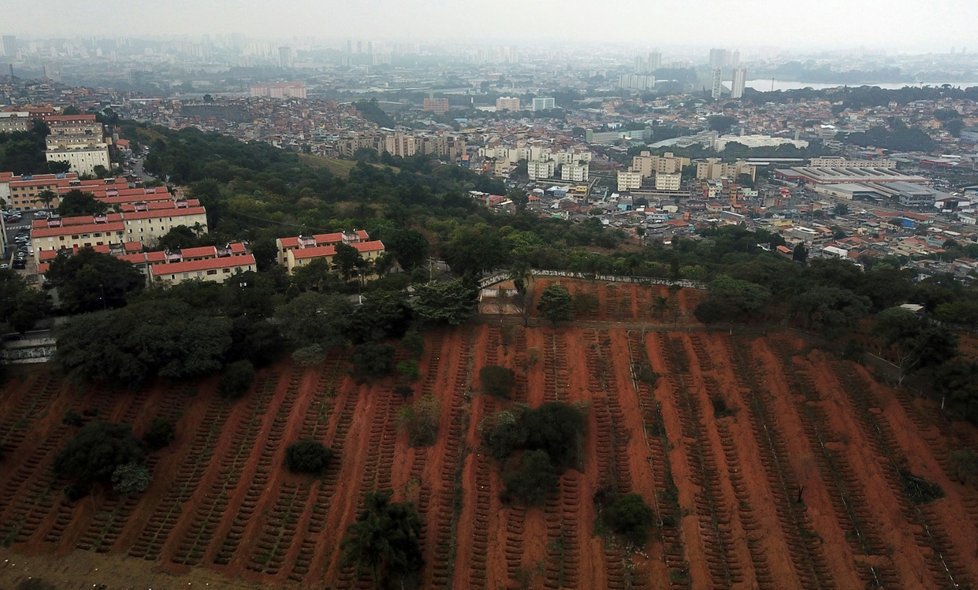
(722, 445)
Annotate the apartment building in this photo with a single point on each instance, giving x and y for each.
(648, 164)
(543, 104)
(668, 182)
(715, 169)
(210, 264)
(15, 122)
(629, 181)
(844, 163)
(577, 172)
(508, 103)
(541, 169)
(296, 251)
(438, 106)
(139, 223)
(77, 140)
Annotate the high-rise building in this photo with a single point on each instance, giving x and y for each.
(738, 83)
(508, 103)
(543, 104)
(8, 46)
(718, 58)
(655, 61)
(285, 59)
(438, 106)
(717, 90)
(636, 82)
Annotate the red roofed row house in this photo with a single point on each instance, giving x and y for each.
(22, 192)
(299, 251)
(205, 263)
(138, 222)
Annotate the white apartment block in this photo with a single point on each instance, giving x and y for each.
(543, 104)
(648, 164)
(574, 172)
(78, 140)
(15, 122)
(629, 181)
(844, 163)
(540, 169)
(668, 182)
(714, 169)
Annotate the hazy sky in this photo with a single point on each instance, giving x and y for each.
(892, 25)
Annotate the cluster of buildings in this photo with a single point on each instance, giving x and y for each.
(279, 90)
(79, 140)
(542, 162)
(404, 143)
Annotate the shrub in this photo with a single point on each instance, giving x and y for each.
(373, 360)
(413, 343)
(130, 479)
(160, 434)
(309, 356)
(72, 418)
(421, 421)
(629, 517)
(496, 380)
(95, 453)
(918, 489)
(408, 370)
(308, 456)
(529, 478)
(237, 379)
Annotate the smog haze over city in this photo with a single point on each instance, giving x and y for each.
(887, 25)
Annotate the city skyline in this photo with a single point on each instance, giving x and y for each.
(897, 26)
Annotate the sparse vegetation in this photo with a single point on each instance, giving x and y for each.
(497, 381)
(421, 420)
(308, 456)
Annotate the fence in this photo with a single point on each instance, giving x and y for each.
(685, 283)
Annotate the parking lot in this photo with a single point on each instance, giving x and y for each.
(18, 249)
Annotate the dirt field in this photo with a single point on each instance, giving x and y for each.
(767, 464)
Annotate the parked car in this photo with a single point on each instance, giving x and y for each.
(20, 264)
(40, 215)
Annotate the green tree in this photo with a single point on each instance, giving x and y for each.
(496, 380)
(913, 343)
(159, 435)
(964, 462)
(445, 302)
(77, 203)
(179, 237)
(169, 339)
(372, 359)
(308, 456)
(474, 249)
(237, 378)
(409, 248)
(346, 260)
(95, 453)
(89, 281)
(555, 304)
(733, 300)
(529, 477)
(629, 517)
(830, 310)
(385, 541)
(800, 253)
(20, 306)
(721, 123)
(315, 318)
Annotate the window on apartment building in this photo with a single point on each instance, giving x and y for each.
(211, 272)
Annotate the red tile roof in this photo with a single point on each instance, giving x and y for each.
(158, 213)
(206, 264)
(45, 232)
(316, 252)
